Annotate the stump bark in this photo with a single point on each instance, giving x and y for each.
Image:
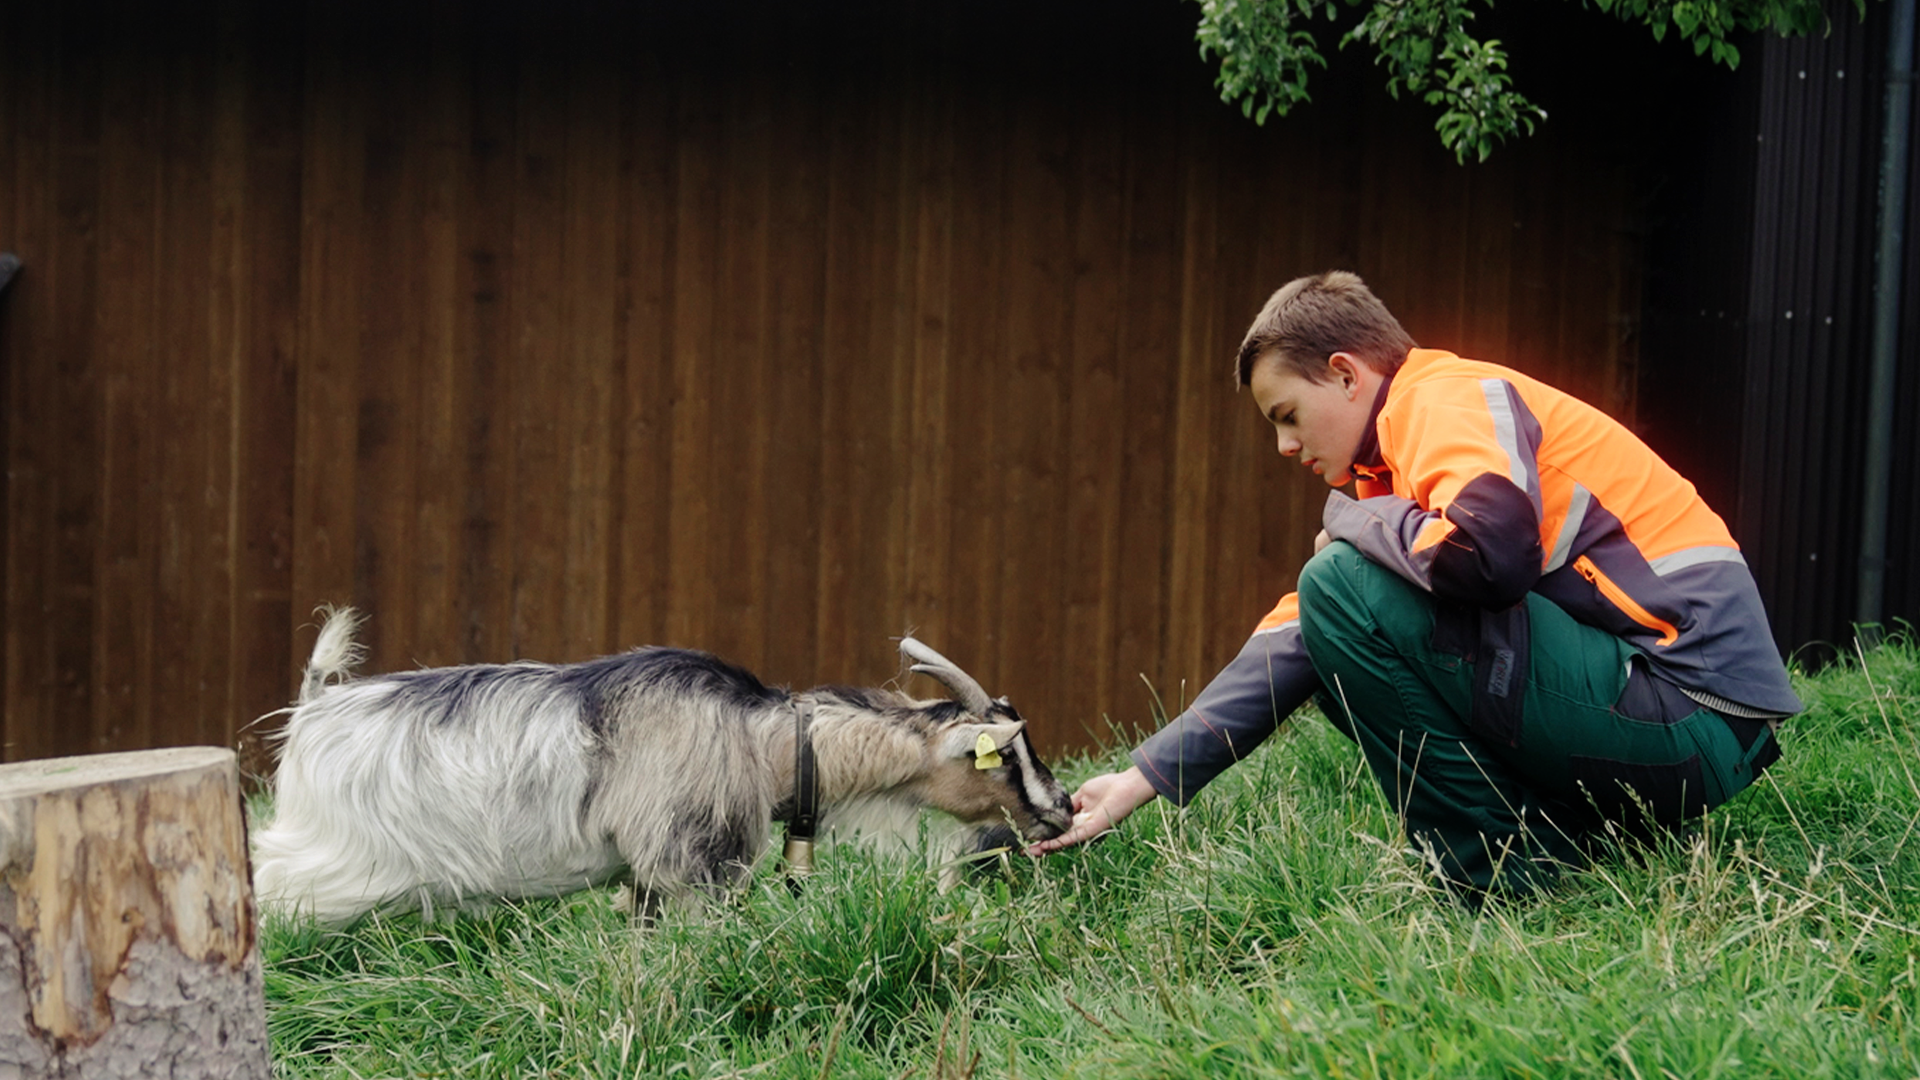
(127, 929)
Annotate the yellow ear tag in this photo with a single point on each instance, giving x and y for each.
(985, 754)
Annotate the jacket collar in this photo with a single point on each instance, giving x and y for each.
(1366, 457)
(1412, 369)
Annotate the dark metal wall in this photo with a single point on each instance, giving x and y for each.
(1903, 527)
(1760, 296)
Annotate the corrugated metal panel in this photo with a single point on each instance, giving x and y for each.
(1809, 296)
(1903, 526)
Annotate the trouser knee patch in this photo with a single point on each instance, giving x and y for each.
(1637, 795)
(1651, 698)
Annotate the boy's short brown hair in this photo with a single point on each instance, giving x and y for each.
(1309, 319)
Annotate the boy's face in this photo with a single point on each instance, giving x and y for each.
(1321, 423)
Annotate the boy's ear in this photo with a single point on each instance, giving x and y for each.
(1346, 371)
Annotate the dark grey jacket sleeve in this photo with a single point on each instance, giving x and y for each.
(1243, 705)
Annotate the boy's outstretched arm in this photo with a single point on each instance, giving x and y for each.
(1236, 712)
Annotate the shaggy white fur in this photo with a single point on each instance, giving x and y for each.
(448, 786)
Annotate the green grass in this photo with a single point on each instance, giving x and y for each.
(1275, 928)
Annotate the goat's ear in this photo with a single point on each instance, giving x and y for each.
(968, 740)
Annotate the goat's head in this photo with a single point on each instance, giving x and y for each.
(986, 770)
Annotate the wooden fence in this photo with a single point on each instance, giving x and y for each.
(769, 330)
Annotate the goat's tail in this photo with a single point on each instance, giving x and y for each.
(335, 654)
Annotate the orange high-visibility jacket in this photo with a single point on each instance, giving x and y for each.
(1487, 485)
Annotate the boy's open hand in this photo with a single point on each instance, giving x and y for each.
(1100, 804)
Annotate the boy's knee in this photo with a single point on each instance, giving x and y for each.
(1330, 568)
(1331, 580)
(1343, 593)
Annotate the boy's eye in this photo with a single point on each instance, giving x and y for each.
(1287, 419)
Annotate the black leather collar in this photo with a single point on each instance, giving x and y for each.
(806, 779)
(806, 797)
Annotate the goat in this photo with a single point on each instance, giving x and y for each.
(463, 784)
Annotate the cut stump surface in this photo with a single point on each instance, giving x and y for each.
(127, 932)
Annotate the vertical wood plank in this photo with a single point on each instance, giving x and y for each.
(1156, 214)
(648, 182)
(193, 568)
(1096, 441)
(439, 611)
(589, 320)
(539, 363)
(740, 371)
(1031, 457)
(854, 394)
(873, 398)
(797, 287)
(124, 489)
(258, 181)
(691, 567)
(16, 83)
(976, 415)
(928, 572)
(384, 342)
(1193, 468)
(488, 246)
(326, 424)
(1230, 600)
(227, 316)
(1486, 280)
(900, 159)
(51, 176)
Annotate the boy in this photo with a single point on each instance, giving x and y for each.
(1531, 625)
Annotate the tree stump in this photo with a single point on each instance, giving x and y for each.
(127, 932)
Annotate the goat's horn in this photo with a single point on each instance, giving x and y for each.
(965, 690)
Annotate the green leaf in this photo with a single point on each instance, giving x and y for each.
(1265, 52)
(1685, 19)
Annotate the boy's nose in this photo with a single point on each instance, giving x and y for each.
(1289, 446)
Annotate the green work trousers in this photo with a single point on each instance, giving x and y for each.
(1511, 743)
